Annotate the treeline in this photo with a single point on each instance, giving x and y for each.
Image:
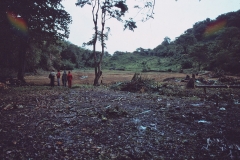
(209, 44)
(48, 55)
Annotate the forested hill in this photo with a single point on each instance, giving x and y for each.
(209, 44)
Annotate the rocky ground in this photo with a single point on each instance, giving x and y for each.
(39, 122)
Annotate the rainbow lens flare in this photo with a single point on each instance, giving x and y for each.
(214, 27)
(18, 23)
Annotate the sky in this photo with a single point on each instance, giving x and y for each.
(171, 19)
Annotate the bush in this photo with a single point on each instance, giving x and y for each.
(66, 64)
(187, 64)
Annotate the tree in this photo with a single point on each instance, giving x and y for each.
(185, 40)
(166, 41)
(199, 29)
(199, 53)
(228, 57)
(32, 21)
(109, 9)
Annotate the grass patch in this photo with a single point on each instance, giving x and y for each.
(137, 63)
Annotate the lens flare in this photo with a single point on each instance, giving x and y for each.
(17, 22)
(214, 27)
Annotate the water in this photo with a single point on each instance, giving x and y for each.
(197, 104)
(222, 109)
(203, 122)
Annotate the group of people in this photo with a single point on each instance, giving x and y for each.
(66, 78)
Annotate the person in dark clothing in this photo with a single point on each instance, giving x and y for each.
(69, 78)
(52, 78)
(64, 78)
(191, 82)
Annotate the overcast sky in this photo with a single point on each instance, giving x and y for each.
(171, 19)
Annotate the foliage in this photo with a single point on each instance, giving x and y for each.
(199, 53)
(185, 40)
(186, 64)
(137, 84)
(145, 66)
(45, 49)
(110, 9)
(29, 23)
(68, 65)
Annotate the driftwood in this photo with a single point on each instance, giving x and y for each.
(216, 86)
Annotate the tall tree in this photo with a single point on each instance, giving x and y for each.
(95, 9)
(185, 40)
(32, 21)
(110, 9)
(166, 41)
(200, 54)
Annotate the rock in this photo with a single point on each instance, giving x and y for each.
(104, 119)
(177, 108)
(178, 132)
(185, 142)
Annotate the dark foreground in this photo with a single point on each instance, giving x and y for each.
(97, 123)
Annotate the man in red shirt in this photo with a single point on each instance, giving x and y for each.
(69, 78)
(58, 77)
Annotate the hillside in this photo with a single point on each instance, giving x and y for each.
(139, 63)
(209, 45)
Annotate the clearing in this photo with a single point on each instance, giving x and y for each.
(86, 122)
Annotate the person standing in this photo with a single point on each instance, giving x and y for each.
(52, 78)
(69, 79)
(191, 82)
(58, 77)
(64, 78)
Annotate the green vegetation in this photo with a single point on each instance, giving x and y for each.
(138, 63)
(209, 45)
(31, 31)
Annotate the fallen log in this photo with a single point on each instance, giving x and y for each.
(216, 86)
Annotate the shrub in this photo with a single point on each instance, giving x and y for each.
(186, 64)
(66, 64)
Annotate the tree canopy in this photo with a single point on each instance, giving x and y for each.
(29, 22)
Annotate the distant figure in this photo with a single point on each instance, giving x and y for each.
(64, 78)
(58, 77)
(69, 79)
(187, 77)
(193, 76)
(52, 78)
(191, 82)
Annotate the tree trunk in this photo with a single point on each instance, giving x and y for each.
(95, 18)
(98, 73)
(199, 66)
(22, 60)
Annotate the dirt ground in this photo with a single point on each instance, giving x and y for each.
(86, 122)
(108, 77)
